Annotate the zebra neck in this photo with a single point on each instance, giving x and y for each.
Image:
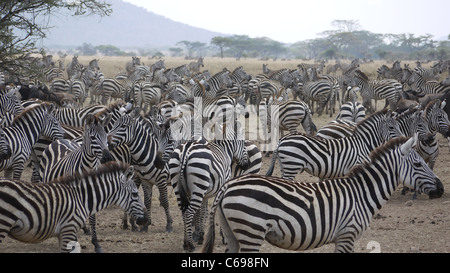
(95, 193)
(375, 182)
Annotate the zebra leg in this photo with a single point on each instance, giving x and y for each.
(200, 218)
(147, 188)
(164, 199)
(67, 240)
(188, 217)
(94, 240)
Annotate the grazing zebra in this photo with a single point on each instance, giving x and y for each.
(197, 170)
(300, 216)
(24, 132)
(32, 213)
(135, 140)
(333, 158)
(377, 89)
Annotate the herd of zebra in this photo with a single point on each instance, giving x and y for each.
(188, 129)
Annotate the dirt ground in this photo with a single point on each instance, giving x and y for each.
(401, 226)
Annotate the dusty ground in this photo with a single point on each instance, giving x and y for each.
(399, 226)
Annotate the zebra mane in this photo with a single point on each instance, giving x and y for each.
(371, 117)
(41, 104)
(377, 154)
(360, 74)
(431, 105)
(108, 167)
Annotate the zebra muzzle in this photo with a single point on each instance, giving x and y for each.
(7, 154)
(142, 220)
(437, 193)
(106, 156)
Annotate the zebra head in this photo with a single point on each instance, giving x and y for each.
(389, 128)
(131, 201)
(234, 138)
(437, 118)
(129, 129)
(95, 137)
(414, 173)
(51, 127)
(10, 103)
(5, 149)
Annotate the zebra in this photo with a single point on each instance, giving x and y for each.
(300, 216)
(335, 129)
(352, 111)
(134, 140)
(198, 169)
(66, 157)
(438, 122)
(419, 84)
(288, 115)
(320, 91)
(24, 132)
(333, 158)
(118, 88)
(194, 67)
(131, 65)
(36, 212)
(218, 81)
(146, 94)
(76, 116)
(10, 105)
(377, 89)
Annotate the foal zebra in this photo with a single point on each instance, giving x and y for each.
(333, 158)
(300, 216)
(32, 213)
(197, 170)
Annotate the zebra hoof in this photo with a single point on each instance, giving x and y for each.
(169, 228)
(99, 250)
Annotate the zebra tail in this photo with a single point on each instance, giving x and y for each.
(272, 163)
(184, 199)
(210, 236)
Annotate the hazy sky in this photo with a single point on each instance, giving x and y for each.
(294, 20)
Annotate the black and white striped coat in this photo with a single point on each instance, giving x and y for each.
(36, 121)
(333, 158)
(300, 216)
(32, 213)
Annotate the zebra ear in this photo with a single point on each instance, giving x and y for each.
(89, 119)
(129, 173)
(105, 120)
(443, 104)
(408, 145)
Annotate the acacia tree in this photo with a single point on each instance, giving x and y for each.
(24, 23)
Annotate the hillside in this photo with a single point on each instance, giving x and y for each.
(128, 26)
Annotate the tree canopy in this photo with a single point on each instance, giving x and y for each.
(24, 23)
